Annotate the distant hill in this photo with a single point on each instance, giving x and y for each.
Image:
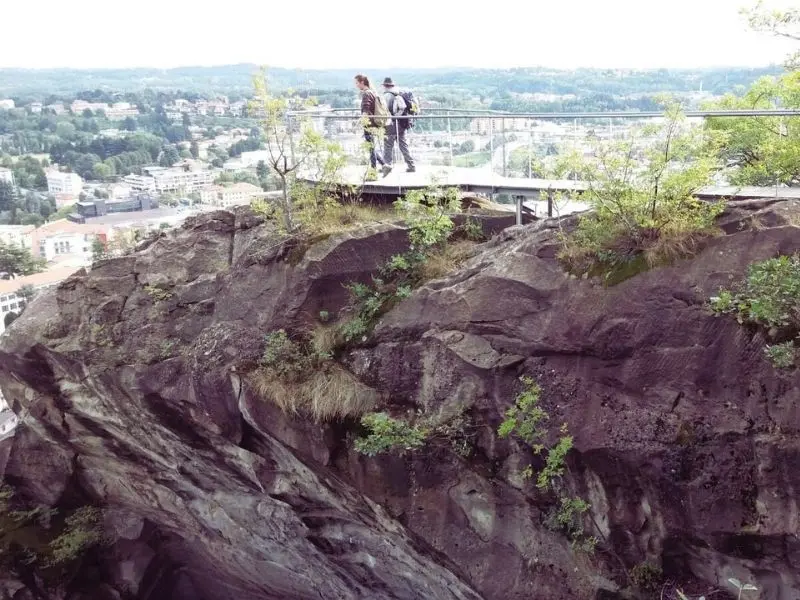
(231, 79)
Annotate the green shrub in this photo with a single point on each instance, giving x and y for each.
(82, 530)
(647, 577)
(769, 297)
(284, 356)
(568, 518)
(648, 215)
(427, 213)
(524, 418)
(158, 294)
(781, 355)
(386, 434)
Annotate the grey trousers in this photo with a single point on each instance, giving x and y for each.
(396, 134)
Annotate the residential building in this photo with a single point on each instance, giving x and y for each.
(121, 110)
(8, 423)
(140, 183)
(65, 238)
(57, 108)
(7, 175)
(36, 108)
(162, 180)
(232, 195)
(11, 302)
(17, 235)
(253, 157)
(78, 106)
(6, 104)
(64, 183)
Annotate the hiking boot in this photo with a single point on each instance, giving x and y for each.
(387, 169)
(411, 170)
(372, 176)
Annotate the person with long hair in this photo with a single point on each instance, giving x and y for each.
(374, 121)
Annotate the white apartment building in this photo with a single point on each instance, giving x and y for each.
(7, 175)
(253, 157)
(36, 108)
(57, 108)
(16, 235)
(64, 183)
(6, 104)
(140, 183)
(118, 110)
(11, 302)
(234, 195)
(64, 240)
(173, 180)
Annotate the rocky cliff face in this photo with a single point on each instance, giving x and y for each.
(131, 382)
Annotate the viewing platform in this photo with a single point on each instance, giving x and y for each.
(532, 192)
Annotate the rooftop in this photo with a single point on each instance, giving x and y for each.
(49, 277)
(133, 217)
(64, 226)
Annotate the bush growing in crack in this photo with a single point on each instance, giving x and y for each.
(301, 378)
(769, 298)
(526, 421)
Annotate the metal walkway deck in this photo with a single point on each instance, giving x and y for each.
(484, 181)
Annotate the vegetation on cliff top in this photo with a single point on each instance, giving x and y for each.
(644, 215)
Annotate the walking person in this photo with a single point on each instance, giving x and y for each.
(398, 105)
(374, 116)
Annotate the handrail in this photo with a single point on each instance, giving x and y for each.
(354, 114)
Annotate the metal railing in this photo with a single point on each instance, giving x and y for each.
(491, 140)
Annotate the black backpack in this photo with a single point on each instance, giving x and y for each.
(412, 107)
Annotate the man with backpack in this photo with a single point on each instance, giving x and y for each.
(398, 103)
(375, 118)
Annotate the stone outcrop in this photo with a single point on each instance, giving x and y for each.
(131, 382)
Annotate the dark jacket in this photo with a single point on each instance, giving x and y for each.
(368, 100)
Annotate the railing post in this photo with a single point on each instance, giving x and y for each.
(530, 153)
(291, 137)
(550, 202)
(503, 125)
(450, 137)
(518, 201)
(491, 145)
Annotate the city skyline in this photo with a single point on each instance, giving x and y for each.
(357, 34)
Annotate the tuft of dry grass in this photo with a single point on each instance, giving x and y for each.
(325, 338)
(445, 260)
(328, 394)
(337, 218)
(668, 247)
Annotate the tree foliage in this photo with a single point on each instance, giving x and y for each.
(781, 23)
(644, 197)
(385, 434)
(763, 150)
(16, 260)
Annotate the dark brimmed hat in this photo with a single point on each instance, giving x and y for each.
(388, 82)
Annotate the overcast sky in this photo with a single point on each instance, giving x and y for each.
(395, 33)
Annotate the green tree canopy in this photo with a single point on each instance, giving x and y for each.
(169, 156)
(17, 260)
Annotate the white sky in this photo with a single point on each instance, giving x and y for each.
(393, 33)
